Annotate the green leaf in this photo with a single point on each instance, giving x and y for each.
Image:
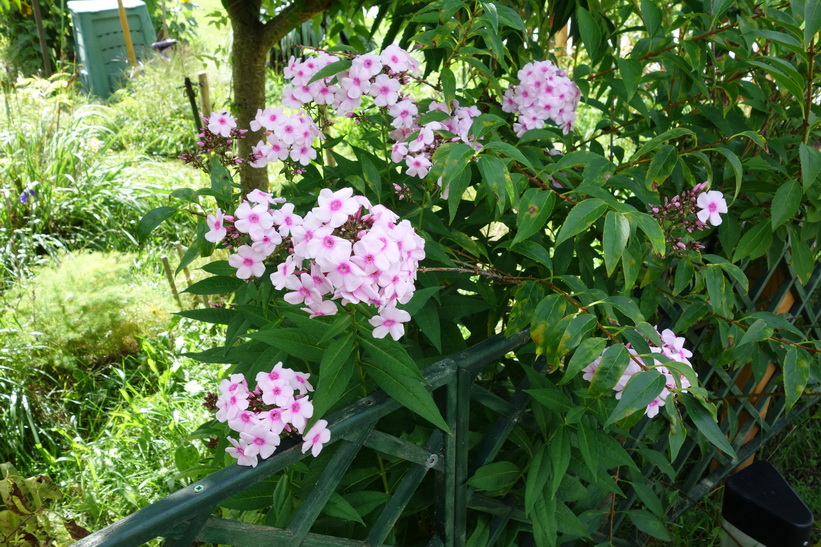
(257, 496)
(735, 163)
(331, 70)
(537, 474)
(757, 332)
(559, 452)
(427, 318)
(684, 274)
(754, 242)
(215, 285)
(293, 341)
(796, 375)
(613, 363)
(653, 143)
(335, 372)
(651, 14)
(535, 252)
(152, 219)
(548, 313)
(614, 240)
(590, 32)
(508, 150)
(218, 316)
(448, 81)
(651, 229)
(491, 14)
(580, 218)
(802, 259)
(221, 184)
(219, 267)
(396, 373)
(589, 350)
(495, 476)
(496, 178)
(535, 207)
(810, 159)
(340, 508)
(630, 71)
(702, 415)
(785, 202)
(649, 524)
(641, 390)
(510, 17)
(662, 164)
(812, 20)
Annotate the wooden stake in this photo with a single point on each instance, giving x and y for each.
(41, 34)
(205, 94)
(129, 45)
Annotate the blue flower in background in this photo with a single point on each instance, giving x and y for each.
(27, 194)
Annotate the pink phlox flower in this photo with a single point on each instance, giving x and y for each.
(285, 219)
(216, 230)
(355, 84)
(259, 197)
(318, 435)
(403, 113)
(418, 166)
(321, 309)
(303, 154)
(266, 244)
(712, 205)
(277, 392)
(399, 151)
(298, 413)
(302, 288)
(328, 250)
(243, 421)
(284, 271)
(267, 118)
(253, 220)
(367, 66)
(221, 123)
(238, 451)
(344, 275)
(231, 404)
(390, 320)
(272, 420)
(396, 58)
(384, 90)
(424, 138)
(382, 216)
(248, 262)
(260, 441)
(300, 382)
(334, 208)
(305, 233)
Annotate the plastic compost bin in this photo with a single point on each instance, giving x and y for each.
(100, 44)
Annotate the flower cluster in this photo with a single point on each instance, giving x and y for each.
(287, 136)
(343, 249)
(544, 93)
(216, 139)
(277, 406)
(381, 77)
(673, 348)
(676, 215)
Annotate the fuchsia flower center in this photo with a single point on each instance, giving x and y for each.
(248, 262)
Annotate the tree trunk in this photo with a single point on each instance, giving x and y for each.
(251, 42)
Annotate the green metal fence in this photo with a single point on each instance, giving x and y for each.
(448, 461)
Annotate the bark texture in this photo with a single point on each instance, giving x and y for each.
(251, 42)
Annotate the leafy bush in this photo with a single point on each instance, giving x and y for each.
(627, 252)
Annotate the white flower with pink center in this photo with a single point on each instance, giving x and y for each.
(403, 113)
(318, 435)
(253, 220)
(248, 262)
(298, 413)
(259, 441)
(334, 208)
(221, 123)
(277, 392)
(384, 90)
(712, 205)
(389, 321)
(300, 382)
(237, 450)
(418, 166)
(216, 229)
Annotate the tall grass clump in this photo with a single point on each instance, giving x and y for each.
(68, 323)
(65, 187)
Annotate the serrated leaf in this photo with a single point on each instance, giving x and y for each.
(649, 524)
(495, 176)
(754, 242)
(340, 508)
(590, 32)
(651, 229)
(802, 259)
(537, 474)
(641, 390)
(812, 20)
(580, 218)
(810, 159)
(448, 81)
(757, 332)
(559, 453)
(630, 71)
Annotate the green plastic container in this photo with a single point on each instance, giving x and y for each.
(100, 44)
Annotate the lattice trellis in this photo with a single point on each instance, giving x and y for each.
(447, 461)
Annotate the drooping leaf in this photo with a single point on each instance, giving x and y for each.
(641, 390)
(580, 218)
